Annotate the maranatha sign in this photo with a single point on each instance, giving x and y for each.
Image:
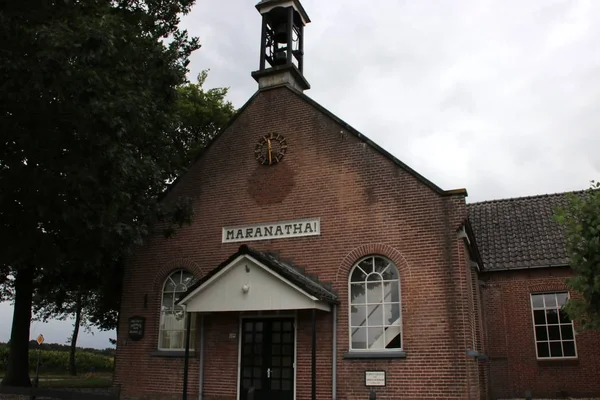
(277, 230)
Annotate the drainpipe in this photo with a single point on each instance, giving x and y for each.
(201, 378)
(186, 361)
(334, 367)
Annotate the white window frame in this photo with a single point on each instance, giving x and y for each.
(546, 324)
(385, 326)
(180, 288)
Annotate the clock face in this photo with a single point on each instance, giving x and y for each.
(270, 149)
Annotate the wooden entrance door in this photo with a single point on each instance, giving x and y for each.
(267, 360)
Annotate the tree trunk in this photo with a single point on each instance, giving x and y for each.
(72, 366)
(17, 369)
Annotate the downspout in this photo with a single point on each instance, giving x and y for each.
(186, 361)
(334, 366)
(201, 378)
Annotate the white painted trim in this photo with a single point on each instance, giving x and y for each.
(293, 315)
(348, 282)
(320, 305)
(576, 356)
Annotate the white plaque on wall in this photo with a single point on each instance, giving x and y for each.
(374, 378)
(275, 230)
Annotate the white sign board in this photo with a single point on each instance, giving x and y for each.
(374, 378)
(275, 230)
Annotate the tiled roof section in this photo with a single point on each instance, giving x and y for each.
(519, 232)
(286, 269)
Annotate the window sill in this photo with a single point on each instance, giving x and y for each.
(558, 362)
(372, 355)
(171, 353)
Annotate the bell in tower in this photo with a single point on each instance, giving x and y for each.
(282, 44)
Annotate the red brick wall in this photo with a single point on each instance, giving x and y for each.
(514, 368)
(367, 204)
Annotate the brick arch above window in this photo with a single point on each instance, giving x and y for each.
(548, 287)
(381, 249)
(167, 269)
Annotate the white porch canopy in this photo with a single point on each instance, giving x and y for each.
(256, 281)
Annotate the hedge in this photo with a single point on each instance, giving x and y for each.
(54, 361)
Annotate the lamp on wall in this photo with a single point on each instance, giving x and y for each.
(245, 288)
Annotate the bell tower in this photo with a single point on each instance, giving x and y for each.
(282, 44)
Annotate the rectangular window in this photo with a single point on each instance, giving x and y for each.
(553, 330)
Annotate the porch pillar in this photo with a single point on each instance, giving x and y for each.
(314, 356)
(186, 362)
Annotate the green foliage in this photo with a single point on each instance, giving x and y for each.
(581, 220)
(54, 361)
(88, 110)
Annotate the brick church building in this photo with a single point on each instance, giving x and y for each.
(319, 266)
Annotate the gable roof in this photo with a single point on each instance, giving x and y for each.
(309, 283)
(520, 232)
(350, 129)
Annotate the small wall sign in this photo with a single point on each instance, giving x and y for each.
(136, 327)
(374, 378)
(276, 230)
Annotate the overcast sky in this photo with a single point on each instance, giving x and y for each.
(496, 96)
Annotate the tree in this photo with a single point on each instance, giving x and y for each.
(581, 220)
(88, 111)
(200, 115)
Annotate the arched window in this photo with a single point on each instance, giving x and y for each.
(375, 318)
(173, 317)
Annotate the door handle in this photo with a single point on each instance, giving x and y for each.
(269, 373)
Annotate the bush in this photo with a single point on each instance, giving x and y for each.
(53, 361)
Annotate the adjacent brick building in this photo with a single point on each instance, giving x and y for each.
(318, 266)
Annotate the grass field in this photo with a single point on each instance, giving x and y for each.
(99, 380)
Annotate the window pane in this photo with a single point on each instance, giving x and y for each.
(553, 332)
(569, 348)
(391, 292)
(176, 338)
(358, 275)
(562, 298)
(555, 349)
(374, 293)
(367, 265)
(537, 300)
(286, 385)
(257, 384)
(564, 317)
(550, 300)
(170, 284)
(393, 339)
(359, 338)
(374, 277)
(391, 315)
(358, 316)
(376, 338)
(375, 315)
(357, 293)
(542, 348)
(390, 272)
(567, 332)
(167, 301)
(541, 333)
(381, 264)
(186, 279)
(539, 317)
(552, 316)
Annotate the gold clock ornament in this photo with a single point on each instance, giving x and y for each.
(270, 149)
